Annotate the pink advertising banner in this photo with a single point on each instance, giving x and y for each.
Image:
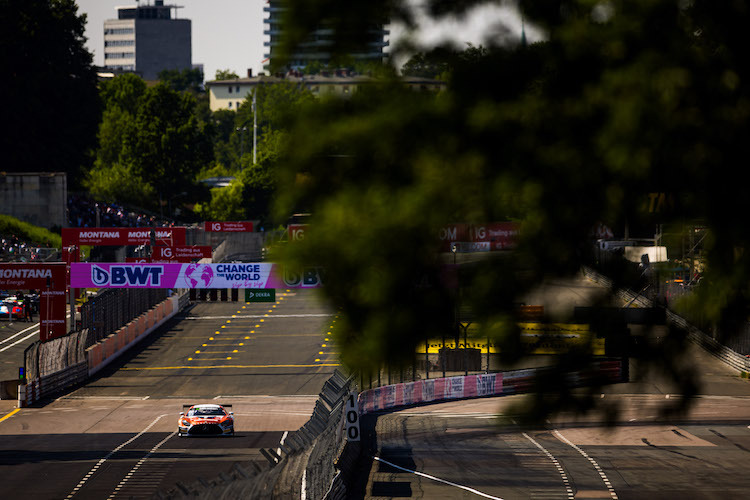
(152, 275)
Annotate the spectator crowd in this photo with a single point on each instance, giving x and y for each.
(82, 212)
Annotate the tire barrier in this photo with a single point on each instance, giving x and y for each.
(723, 353)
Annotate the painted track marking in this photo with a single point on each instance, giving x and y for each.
(592, 461)
(422, 474)
(106, 457)
(10, 414)
(137, 466)
(557, 464)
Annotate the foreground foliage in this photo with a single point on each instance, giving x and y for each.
(623, 100)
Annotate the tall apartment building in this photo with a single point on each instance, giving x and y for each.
(146, 39)
(318, 46)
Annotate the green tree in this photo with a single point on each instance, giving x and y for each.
(623, 99)
(432, 65)
(169, 144)
(152, 143)
(255, 182)
(183, 80)
(51, 105)
(225, 74)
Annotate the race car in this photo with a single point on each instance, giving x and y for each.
(206, 420)
(11, 308)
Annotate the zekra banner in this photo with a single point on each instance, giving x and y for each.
(224, 275)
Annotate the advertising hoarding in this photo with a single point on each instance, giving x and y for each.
(228, 227)
(49, 280)
(173, 275)
(122, 236)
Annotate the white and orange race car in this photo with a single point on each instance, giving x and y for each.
(206, 420)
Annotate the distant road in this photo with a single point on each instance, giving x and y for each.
(15, 337)
(115, 437)
(476, 449)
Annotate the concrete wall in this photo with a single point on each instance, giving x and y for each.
(37, 198)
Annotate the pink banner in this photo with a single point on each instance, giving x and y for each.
(225, 275)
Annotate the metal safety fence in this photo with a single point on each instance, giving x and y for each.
(112, 308)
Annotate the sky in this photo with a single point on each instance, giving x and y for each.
(228, 34)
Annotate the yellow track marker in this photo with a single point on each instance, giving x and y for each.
(223, 326)
(10, 414)
(190, 359)
(210, 338)
(244, 307)
(324, 345)
(242, 343)
(229, 321)
(197, 352)
(193, 367)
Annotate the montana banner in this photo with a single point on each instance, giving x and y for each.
(49, 280)
(122, 236)
(251, 275)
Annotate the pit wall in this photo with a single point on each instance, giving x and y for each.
(110, 348)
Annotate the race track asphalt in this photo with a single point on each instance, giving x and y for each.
(115, 437)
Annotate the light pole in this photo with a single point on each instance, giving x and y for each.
(255, 125)
(242, 130)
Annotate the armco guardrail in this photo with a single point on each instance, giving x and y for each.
(723, 353)
(472, 386)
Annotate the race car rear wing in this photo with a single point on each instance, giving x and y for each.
(185, 408)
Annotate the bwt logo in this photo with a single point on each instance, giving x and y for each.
(125, 276)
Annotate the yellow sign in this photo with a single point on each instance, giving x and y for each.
(538, 338)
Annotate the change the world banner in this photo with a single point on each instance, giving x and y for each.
(234, 275)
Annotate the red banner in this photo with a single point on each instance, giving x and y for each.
(500, 235)
(452, 233)
(122, 236)
(50, 281)
(297, 231)
(479, 237)
(229, 227)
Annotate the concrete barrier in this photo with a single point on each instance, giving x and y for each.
(110, 348)
(471, 386)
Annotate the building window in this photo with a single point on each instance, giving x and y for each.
(238, 105)
(119, 31)
(230, 90)
(119, 55)
(230, 104)
(238, 89)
